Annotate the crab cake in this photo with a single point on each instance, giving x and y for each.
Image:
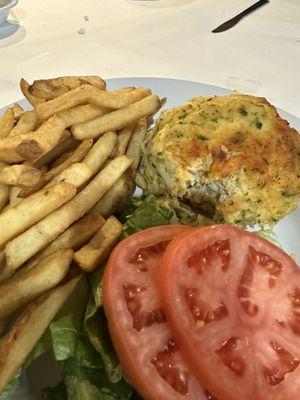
(229, 158)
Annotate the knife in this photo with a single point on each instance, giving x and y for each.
(233, 21)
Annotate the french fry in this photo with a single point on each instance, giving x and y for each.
(114, 200)
(123, 139)
(27, 123)
(4, 196)
(97, 250)
(18, 111)
(135, 144)
(2, 258)
(5, 274)
(14, 198)
(37, 143)
(2, 327)
(74, 157)
(2, 267)
(67, 144)
(24, 86)
(80, 114)
(117, 119)
(33, 145)
(45, 231)
(101, 151)
(45, 275)
(20, 175)
(7, 122)
(61, 159)
(124, 89)
(76, 174)
(89, 94)
(30, 326)
(74, 237)
(49, 89)
(32, 209)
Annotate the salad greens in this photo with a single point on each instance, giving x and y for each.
(142, 214)
(78, 337)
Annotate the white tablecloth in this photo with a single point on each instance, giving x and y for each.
(261, 55)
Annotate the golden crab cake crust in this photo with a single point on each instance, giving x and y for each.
(233, 153)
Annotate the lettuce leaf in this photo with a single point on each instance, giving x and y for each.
(143, 214)
(58, 392)
(86, 383)
(96, 328)
(66, 327)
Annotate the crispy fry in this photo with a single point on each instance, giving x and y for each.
(44, 232)
(27, 123)
(74, 157)
(14, 198)
(124, 89)
(135, 144)
(24, 86)
(37, 143)
(2, 327)
(61, 159)
(49, 89)
(33, 145)
(4, 273)
(7, 122)
(89, 94)
(76, 174)
(80, 114)
(20, 175)
(114, 200)
(101, 151)
(123, 139)
(18, 111)
(32, 209)
(4, 196)
(2, 258)
(97, 250)
(30, 326)
(117, 119)
(74, 237)
(45, 275)
(67, 144)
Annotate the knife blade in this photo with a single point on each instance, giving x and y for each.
(233, 21)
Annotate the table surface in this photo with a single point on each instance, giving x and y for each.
(166, 38)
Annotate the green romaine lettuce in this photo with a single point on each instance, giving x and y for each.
(58, 392)
(145, 214)
(85, 383)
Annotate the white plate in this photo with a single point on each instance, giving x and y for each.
(177, 92)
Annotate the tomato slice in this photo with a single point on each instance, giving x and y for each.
(150, 356)
(233, 301)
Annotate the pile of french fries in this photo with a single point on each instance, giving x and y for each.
(67, 165)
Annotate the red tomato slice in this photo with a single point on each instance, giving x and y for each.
(233, 301)
(151, 358)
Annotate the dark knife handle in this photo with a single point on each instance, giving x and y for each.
(252, 8)
(233, 21)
